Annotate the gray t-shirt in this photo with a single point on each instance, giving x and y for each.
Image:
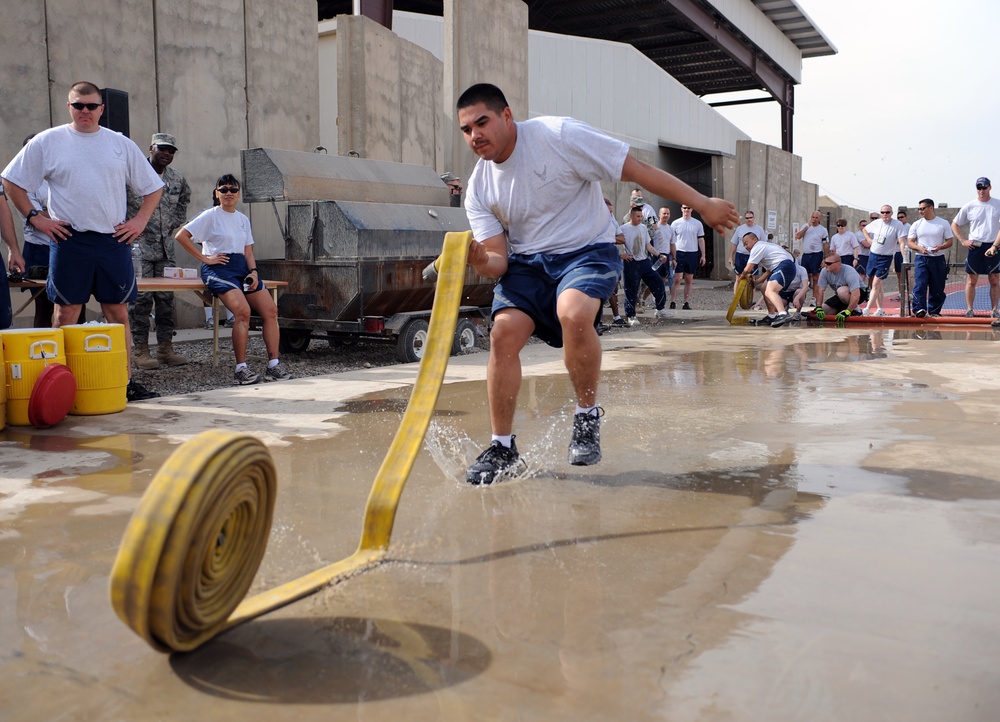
(87, 174)
(847, 276)
(547, 195)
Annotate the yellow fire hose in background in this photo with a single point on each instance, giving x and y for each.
(193, 546)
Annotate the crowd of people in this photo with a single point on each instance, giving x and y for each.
(93, 208)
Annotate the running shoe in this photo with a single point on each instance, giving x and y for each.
(496, 462)
(137, 392)
(585, 446)
(277, 373)
(245, 377)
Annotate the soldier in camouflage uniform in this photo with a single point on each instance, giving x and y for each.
(157, 244)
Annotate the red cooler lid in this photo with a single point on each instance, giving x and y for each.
(51, 396)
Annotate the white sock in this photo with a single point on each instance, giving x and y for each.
(241, 366)
(208, 313)
(272, 363)
(592, 410)
(504, 440)
(617, 318)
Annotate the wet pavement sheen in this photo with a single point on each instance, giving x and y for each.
(800, 524)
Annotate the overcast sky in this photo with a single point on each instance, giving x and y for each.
(906, 109)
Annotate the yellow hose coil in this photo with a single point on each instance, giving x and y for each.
(742, 297)
(194, 544)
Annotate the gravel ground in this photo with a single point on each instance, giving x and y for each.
(320, 358)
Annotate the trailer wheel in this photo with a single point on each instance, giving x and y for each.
(465, 337)
(293, 340)
(412, 340)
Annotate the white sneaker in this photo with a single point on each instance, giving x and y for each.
(633, 321)
(664, 313)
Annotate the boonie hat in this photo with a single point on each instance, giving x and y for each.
(983, 181)
(164, 139)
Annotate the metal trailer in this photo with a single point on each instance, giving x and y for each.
(358, 233)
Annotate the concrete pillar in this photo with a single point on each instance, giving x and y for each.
(485, 41)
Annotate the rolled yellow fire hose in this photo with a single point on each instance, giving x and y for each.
(742, 297)
(193, 546)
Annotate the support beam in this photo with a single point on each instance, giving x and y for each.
(378, 10)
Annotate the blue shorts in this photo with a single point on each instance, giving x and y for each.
(848, 260)
(687, 261)
(897, 261)
(977, 263)
(533, 282)
(740, 261)
(784, 273)
(812, 262)
(35, 255)
(863, 263)
(878, 266)
(228, 276)
(90, 264)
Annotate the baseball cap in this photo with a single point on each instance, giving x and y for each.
(164, 139)
(983, 181)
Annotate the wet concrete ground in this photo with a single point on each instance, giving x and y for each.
(788, 524)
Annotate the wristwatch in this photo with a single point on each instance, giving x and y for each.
(31, 214)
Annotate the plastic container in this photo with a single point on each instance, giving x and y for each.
(97, 356)
(26, 353)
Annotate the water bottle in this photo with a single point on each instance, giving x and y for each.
(137, 258)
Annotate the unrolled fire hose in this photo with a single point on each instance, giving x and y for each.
(196, 540)
(742, 297)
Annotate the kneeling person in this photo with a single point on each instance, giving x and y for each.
(846, 284)
(781, 274)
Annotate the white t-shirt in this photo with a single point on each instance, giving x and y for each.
(903, 248)
(812, 241)
(686, 234)
(843, 244)
(741, 231)
(636, 240)
(87, 174)
(547, 195)
(220, 232)
(885, 236)
(664, 239)
(768, 255)
(983, 219)
(39, 199)
(931, 233)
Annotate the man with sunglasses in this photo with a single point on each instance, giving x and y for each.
(738, 253)
(87, 168)
(883, 237)
(929, 237)
(983, 217)
(845, 283)
(157, 244)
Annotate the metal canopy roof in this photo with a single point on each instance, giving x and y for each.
(689, 39)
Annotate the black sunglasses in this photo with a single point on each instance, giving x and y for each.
(166, 149)
(228, 189)
(981, 187)
(88, 106)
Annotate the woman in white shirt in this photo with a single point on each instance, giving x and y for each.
(229, 271)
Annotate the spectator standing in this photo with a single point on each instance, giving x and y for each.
(928, 238)
(864, 253)
(738, 253)
(157, 245)
(15, 262)
(88, 168)
(689, 240)
(616, 317)
(639, 267)
(845, 244)
(815, 245)
(883, 237)
(983, 217)
(902, 254)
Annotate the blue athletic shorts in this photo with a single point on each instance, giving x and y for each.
(533, 282)
(977, 263)
(784, 273)
(90, 264)
(863, 263)
(740, 261)
(897, 261)
(812, 262)
(878, 266)
(687, 261)
(228, 276)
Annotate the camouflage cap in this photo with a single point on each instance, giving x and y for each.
(164, 139)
